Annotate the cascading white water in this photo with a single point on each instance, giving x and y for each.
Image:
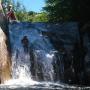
(21, 64)
(39, 65)
(21, 60)
(44, 60)
(21, 69)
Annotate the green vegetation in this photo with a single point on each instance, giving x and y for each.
(30, 16)
(58, 10)
(23, 15)
(68, 10)
(54, 11)
(40, 17)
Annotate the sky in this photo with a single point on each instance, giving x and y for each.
(33, 5)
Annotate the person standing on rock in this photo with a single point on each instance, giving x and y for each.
(10, 13)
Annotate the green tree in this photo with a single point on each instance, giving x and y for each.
(77, 10)
(40, 17)
(7, 1)
(5, 4)
(30, 16)
(20, 11)
(32, 13)
(23, 15)
(58, 10)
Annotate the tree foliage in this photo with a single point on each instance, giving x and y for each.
(77, 10)
(22, 14)
(20, 11)
(31, 16)
(40, 17)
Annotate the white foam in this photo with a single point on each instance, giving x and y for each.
(50, 55)
(20, 82)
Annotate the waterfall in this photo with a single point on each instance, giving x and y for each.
(43, 56)
(37, 57)
(20, 64)
(43, 63)
(33, 57)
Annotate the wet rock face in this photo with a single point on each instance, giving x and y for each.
(69, 66)
(64, 38)
(69, 62)
(5, 73)
(76, 57)
(86, 43)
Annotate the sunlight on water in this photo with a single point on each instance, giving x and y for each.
(50, 55)
(23, 78)
(36, 65)
(21, 81)
(25, 84)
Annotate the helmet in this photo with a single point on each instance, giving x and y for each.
(10, 5)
